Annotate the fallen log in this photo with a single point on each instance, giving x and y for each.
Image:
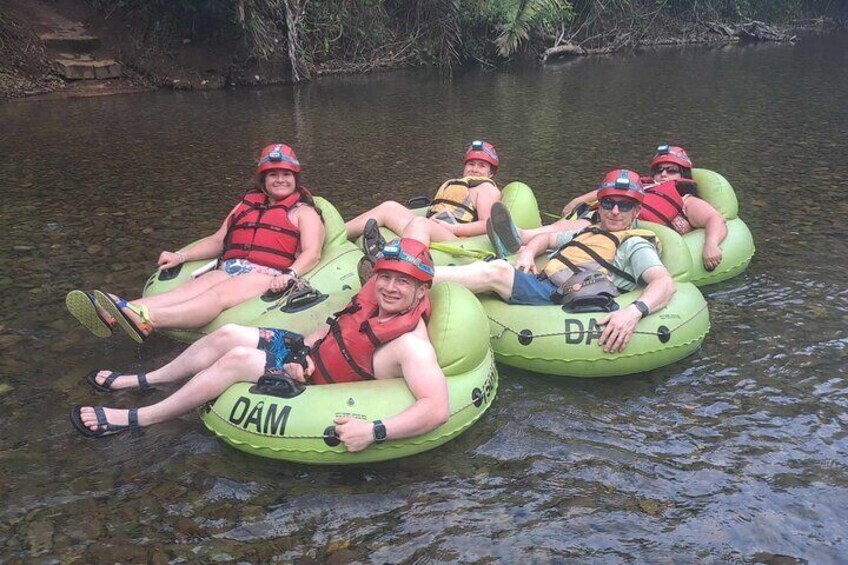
(758, 31)
(750, 31)
(721, 29)
(563, 51)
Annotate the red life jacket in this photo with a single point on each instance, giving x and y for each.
(346, 353)
(662, 204)
(684, 186)
(263, 233)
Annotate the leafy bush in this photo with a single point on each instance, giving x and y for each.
(362, 34)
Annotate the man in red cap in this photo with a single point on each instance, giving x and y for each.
(670, 200)
(610, 255)
(381, 334)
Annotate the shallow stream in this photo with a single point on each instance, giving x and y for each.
(736, 454)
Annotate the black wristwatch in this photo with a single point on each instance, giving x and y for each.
(642, 307)
(379, 431)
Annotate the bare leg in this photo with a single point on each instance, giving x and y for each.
(203, 308)
(240, 364)
(426, 230)
(558, 226)
(185, 291)
(492, 276)
(200, 355)
(392, 215)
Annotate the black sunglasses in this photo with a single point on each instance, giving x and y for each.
(670, 169)
(623, 205)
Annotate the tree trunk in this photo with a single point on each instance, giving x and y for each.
(294, 13)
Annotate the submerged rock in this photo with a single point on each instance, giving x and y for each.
(40, 537)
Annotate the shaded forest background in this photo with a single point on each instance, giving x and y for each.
(214, 43)
(319, 35)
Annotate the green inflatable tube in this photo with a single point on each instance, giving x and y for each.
(737, 248)
(518, 199)
(547, 339)
(335, 272)
(296, 429)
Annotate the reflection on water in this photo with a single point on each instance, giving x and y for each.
(737, 453)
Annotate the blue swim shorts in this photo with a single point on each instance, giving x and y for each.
(529, 290)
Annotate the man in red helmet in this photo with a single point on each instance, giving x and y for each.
(460, 207)
(610, 255)
(670, 200)
(381, 334)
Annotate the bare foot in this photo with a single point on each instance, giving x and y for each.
(110, 381)
(128, 312)
(128, 316)
(125, 381)
(114, 416)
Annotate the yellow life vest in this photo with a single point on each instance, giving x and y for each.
(454, 199)
(592, 249)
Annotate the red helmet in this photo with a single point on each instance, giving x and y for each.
(671, 154)
(484, 151)
(622, 182)
(278, 156)
(407, 256)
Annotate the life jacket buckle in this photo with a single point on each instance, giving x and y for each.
(586, 291)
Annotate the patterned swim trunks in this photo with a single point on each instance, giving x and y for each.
(237, 267)
(273, 342)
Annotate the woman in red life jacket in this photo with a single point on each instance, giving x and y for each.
(460, 208)
(671, 170)
(381, 334)
(669, 200)
(273, 235)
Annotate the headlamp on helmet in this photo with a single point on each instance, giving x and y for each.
(483, 151)
(407, 256)
(671, 154)
(278, 156)
(622, 182)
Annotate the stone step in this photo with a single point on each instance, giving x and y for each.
(76, 56)
(72, 43)
(74, 69)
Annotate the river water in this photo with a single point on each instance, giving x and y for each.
(736, 454)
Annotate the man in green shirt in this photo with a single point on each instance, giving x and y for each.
(613, 247)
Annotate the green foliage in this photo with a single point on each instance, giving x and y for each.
(522, 16)
(774, 11)
(189, 18)
(363, 34)
(262, 27)
(345, 30)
